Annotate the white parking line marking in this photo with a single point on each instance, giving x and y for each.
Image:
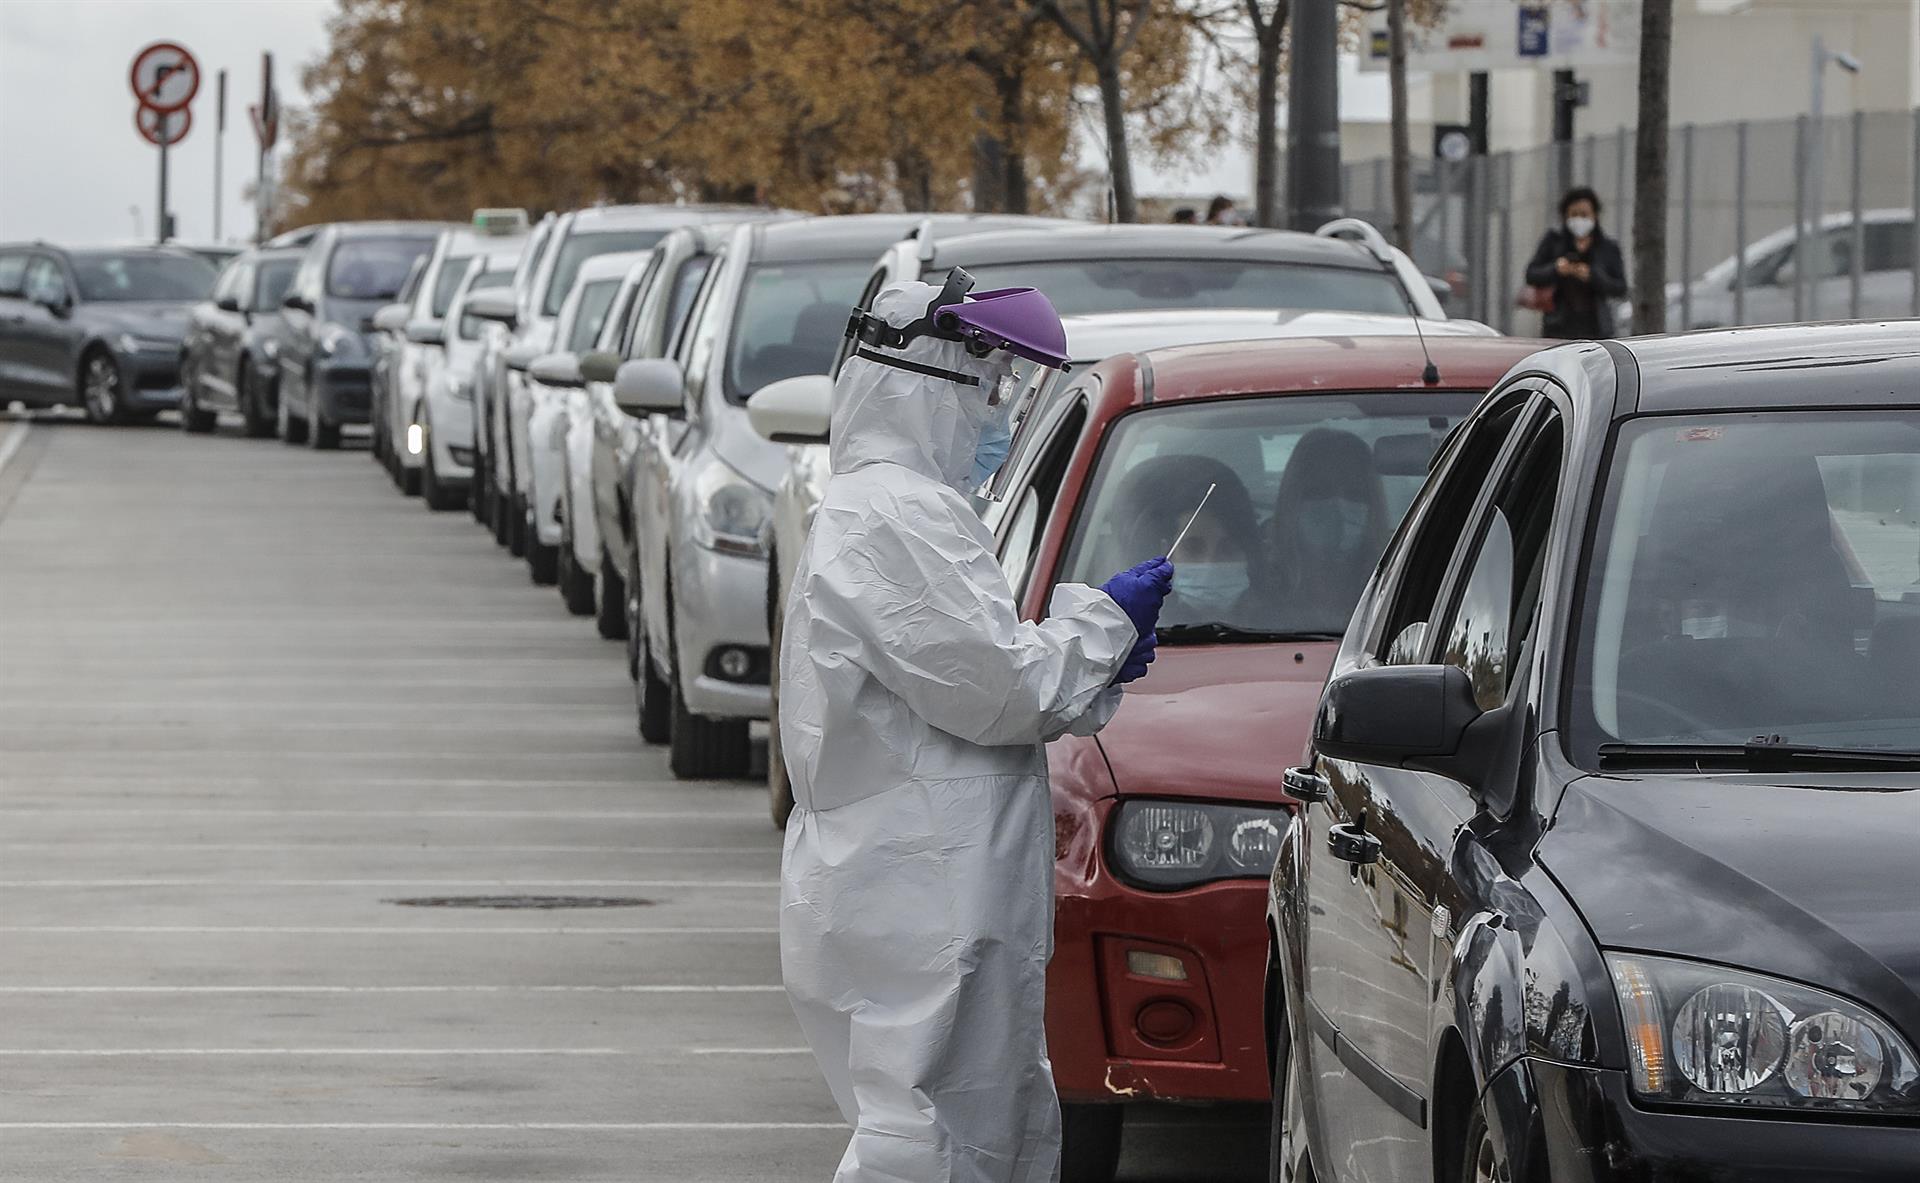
(449, 989)
(22, 884)
(407, 847)
(15, 438)
(758, 818)
(138, 1052)
(377, 930)
(749, 1051)
(632, 1127)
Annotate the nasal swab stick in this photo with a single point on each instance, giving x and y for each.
(1190, 521)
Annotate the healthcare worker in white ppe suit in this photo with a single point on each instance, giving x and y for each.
(916, 903)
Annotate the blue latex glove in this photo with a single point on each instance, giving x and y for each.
(1140, 590)
(1135, 667)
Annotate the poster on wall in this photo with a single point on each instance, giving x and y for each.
(1514, 34)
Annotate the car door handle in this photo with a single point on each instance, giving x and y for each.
(1304, 785)
(1350, 843)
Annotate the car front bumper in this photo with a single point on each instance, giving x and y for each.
(1581, 1125)
(342, 393)
(1115, 1034)
(544, 467)
(720, 602)
(450, 437)
(149, 379)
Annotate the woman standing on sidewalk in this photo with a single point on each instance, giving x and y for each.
(1577, 272)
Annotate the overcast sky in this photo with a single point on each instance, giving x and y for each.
(71, 164)
(73, 169)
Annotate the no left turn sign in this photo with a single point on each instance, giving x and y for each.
(165, 76)
(162, 128)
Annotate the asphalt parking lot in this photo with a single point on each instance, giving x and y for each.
(249, 699)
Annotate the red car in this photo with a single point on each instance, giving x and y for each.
(1167, 823)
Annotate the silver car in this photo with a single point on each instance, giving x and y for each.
(440, 431)
(1772, 267)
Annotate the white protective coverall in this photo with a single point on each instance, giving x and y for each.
(916, 902)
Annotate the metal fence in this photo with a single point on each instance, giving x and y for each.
(1771, 221)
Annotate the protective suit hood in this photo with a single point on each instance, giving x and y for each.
(886, 415)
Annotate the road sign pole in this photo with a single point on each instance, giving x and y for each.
(219, 140)
(165, 134)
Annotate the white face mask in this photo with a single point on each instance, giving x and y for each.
(1580, 227)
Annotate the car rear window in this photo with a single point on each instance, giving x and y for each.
(372, 268)
(1080, 286)
(595, 298)
(271, 280)
(143, 277)
(790, 320)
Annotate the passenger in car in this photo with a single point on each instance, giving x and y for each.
(1329, 526)
(1220, 555)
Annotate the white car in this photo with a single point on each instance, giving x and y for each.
(499, 313)
(549, 378)
(572, 240)
(405, 385)
(1772, 265)
(797, 415)
(441, 431)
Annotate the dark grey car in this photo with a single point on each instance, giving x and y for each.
(230, 358)
(350, 271)
(96, 328)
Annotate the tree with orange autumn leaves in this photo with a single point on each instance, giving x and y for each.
(430, 108)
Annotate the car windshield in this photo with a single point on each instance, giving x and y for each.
(579, 248)
(471, 325)
(271, 281)
(1080, 286)
(596, 297)
(372, 268)
(1306, 491)
(143, 277)
(1756, 576)
(452, 271)
(790, 320)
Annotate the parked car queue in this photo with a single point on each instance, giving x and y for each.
(1594, 867)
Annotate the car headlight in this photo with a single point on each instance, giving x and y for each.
(460, 386)
(1164, 845)
(733, 514)
(1706, 1034)
(340, 341)
(134, 343)
(271, 349)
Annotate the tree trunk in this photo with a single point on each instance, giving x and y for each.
(1266, 136)
(1402, 134)
(1119, 163)
(989, 173)
(1650, 169)
(1011, 86)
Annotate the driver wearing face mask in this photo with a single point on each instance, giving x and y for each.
(1328, 529)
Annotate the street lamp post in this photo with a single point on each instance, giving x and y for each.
(1806, 295)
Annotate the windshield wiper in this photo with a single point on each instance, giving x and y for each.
(1220, 633)
(1770, 754)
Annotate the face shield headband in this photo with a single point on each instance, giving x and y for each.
(1017, 320)
(871, 334)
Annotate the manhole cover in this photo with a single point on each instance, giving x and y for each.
(522, 901)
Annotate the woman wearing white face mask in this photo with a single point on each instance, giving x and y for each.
(1577, 272)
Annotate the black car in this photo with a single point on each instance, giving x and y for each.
(98, 328)
(1605, 862)
(230, 359)
(349, 271)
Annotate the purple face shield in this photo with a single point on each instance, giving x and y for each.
(1019, 320)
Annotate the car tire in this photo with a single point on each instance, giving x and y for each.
(517, 512)
(101, 388)
(1280, 1094)
(575, 581)
(610, 600)
(652, 698)
(497, 509)
(438, 497)
(779, 787)
(543, 561)
(410, 479)
(700, 748)
(630, 608)
(193, 418)
(1482, 1158)
(293, 429)
(259, 422)
(1090, 1142)
(322, 436)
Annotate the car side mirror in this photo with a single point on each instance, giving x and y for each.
(296, 300)
(1422, 717)
(228, 304)
(795, 410)
(556, 369)
(599, 365)
(520, 356)
(423, 332)
(393, 318)
(496, 305)
(651, 386)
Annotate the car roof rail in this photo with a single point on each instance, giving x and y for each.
(1361, 231)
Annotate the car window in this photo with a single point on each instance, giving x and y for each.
(410, 287)
(373, 268)
(618, 325)
(1437, 523)
(272, 278)
(1078, 286)
(233, 281)
(44, 284)
(686, 285)
(1494, 609)
(590, 313)
(157, 276)
(471, 325)
(447, 282)
(578, 248)
(1756, 575)
(1306, 491)
(1889, 246)
(1035, 506)
(787, 321)
(13, 272)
